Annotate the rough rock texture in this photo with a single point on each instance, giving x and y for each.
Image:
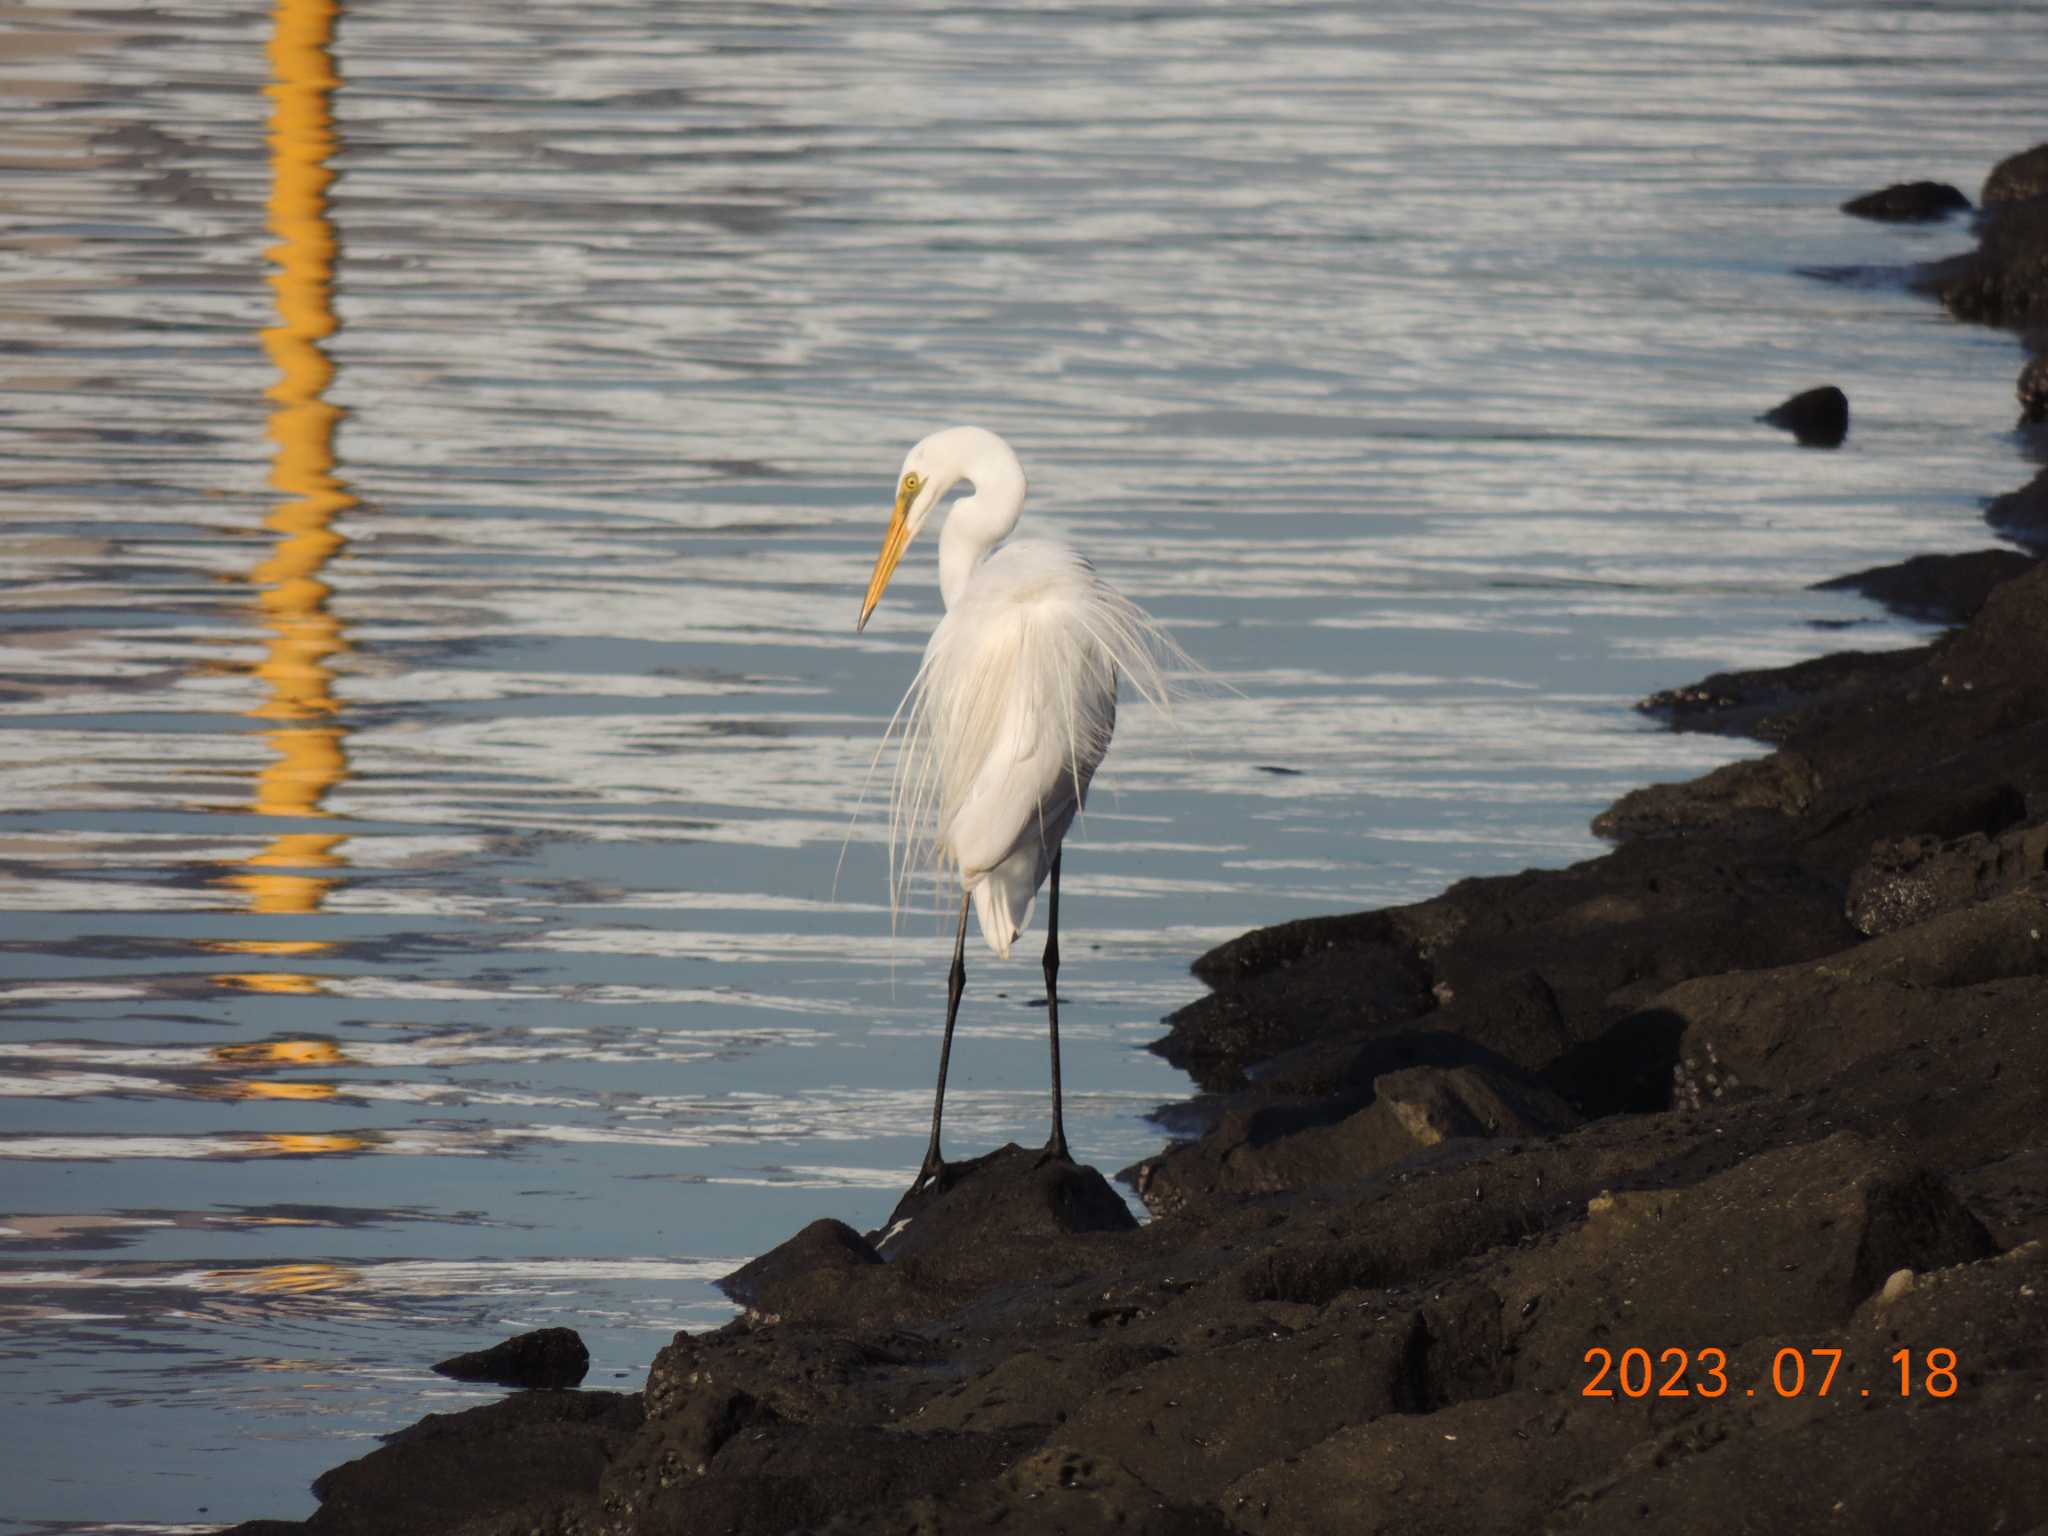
(1700, 1186)
(2022, 515)
(1908, 202)
(545, 1358)
(1818, 418)
(2018, 177)
(2005, 280)
(1938, 589)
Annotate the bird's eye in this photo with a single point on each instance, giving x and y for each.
(911, 483)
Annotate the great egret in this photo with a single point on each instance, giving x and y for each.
(1009, 715)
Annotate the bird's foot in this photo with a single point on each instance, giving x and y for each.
(1055, 1150)
(932, 1175)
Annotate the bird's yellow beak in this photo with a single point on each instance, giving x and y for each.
(894, 542)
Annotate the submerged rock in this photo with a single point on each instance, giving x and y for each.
(1908, 202)
(2022, 515)
(2032, 385)
(2018, 177)
(1818, 418)
(545, 1358)
(2004, 281)
(1937, 589)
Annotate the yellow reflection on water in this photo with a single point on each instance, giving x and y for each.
(299, 1053)
(300, 1093)
(292, 876)
(284, 1279)
(291, 1144)
(277, 983)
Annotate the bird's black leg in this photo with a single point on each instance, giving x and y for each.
(934, 1168)
(1056, 1148)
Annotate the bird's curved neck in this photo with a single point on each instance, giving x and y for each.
(977, 523)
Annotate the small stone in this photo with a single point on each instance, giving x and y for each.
(547, 1358)
(1908, 202)
(1896, 1285)
(1818, 418)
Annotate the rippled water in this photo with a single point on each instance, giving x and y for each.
(444, 451)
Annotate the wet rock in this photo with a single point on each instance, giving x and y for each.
(1290, 992)
(544, 1358)
(2004, 281)
(1596, 936)
(2022, 515)
(2018, 177)
(1818, 418)
(1411, 1111)
(805, 1276)
(2032, 385)
(531, 1462)
(1935, 589)
(1779, 786)
(1908, 202)
(966, 1228)
(1910, 879)
(1768, 703)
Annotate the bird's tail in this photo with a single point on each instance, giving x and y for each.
(1003, 899)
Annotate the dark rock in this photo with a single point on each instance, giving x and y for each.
(2032, 385)
(1907, 880)
(1779, 786)
(795, 1373)
(2022, 515)
(776, 1479)
(1558, 1461)
(1787, 1244)
(1908, 202)
(530, 1462)
(804, 1275)
(1818, 418)
(1936, 589)
(1007, 1197)
(1276, 1004)
(1766, 703)
(1410, 1112)
(2004, 281)
(547, 1358)
(1197, 1421)
(2018, 177)
(1064, 1490)
(1793, 1026)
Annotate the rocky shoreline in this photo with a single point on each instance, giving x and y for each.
(1700, 1186)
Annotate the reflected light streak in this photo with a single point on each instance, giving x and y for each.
(292, 876)
(324, 1053)
(282, 1279)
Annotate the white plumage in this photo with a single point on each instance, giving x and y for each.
(1010, 717)
(1012, 709)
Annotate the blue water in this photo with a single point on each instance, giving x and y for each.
(440, 898)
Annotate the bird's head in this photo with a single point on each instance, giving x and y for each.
(929, 473)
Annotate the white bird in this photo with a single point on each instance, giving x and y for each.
(1010, 713)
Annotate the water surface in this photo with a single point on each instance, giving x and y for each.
(445, 448)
